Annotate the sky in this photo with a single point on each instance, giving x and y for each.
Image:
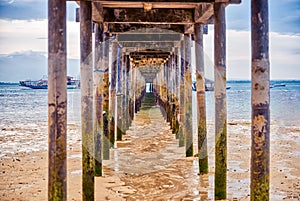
(23, 40)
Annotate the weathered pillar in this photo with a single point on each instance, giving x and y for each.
(260, 130)
(119, 95)
(188, 128)
(127, 97)
(177, 91)
(181, 134)
(98, 99)
(124, 89)
(57, 101)
(220, 101)
(106, 120)
(201, 109)
(86, 86)
(112, 105)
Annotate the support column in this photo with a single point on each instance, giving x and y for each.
(119, 95)
(260, 100)
(106, 134)
(181, 134)
(201, 109)
(57, 101)
(112, 105)
(86, 86)
(220, 102)
(188, 127)
(127, 97)
(98, 99)
(124, 89)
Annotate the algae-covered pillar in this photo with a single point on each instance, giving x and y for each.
(260, 130)
(201, 108)
(188, 129)
(181, 134)
(119, 94)
(86, 86)
(98, 99)
(57, 101)
(112, 105)
(106, 120)
(220, 101)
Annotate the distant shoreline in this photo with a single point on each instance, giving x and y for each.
(228, 81)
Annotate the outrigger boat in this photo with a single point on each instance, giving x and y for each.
(43, 83)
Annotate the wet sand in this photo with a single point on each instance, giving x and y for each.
(148, 164)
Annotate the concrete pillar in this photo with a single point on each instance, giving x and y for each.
(106, 120)
(220, 101)
(86, 86)
(98, 99)
(260, 100)
(112, 105)
(201, 107)
(57, 101)
(181, 134)
(119, 95)
(188, 127)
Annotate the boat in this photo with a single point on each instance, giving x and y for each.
(277, 85)
(209, 85)
(43, 83)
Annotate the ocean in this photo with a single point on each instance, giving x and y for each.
(23, 111)
(23, 105)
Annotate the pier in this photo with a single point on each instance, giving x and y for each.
(150, 45)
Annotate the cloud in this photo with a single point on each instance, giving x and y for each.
(22, 35)
(30, 10)
(284, 54)
(29, 65)
(284, 16)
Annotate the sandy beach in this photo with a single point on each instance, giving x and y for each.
(148, 164)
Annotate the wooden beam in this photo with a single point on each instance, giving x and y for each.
(97, 12)
(203, 12)
(57, 101)
(164, 2)
(260, 100)
(155, 16)
(149, 45)
(220, 101)
(86, 87)
(120, 28)
(148, 37)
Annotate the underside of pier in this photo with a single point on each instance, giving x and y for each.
(128, 45)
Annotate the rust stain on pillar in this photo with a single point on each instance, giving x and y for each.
(260, 130)
(86, 86)
(201, 112)
(188, 129)
(106, 134)
(57, 101)
(98, 99)
(220, 102)
(112, 105)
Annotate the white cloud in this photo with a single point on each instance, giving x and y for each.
(22, 35)
(284, 55)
